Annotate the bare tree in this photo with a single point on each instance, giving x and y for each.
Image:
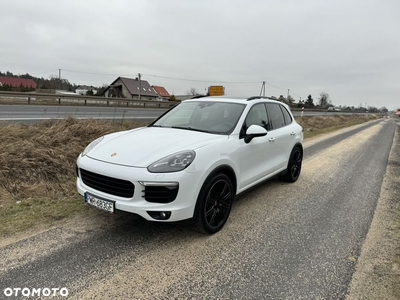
(192, 92)
(383, 110)
(291, 99)
(324, 99)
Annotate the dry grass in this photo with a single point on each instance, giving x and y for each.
(37, 170)
(39, 160)
(37, 166)
(313, 126)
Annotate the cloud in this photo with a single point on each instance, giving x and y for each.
(349, 49)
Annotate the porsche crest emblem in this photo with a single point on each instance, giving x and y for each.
(112, 155)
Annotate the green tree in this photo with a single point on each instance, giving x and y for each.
(101, 90)
(309, 101)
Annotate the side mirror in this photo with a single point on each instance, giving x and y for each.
(254, 131)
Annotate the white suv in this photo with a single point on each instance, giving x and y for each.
(191, 162)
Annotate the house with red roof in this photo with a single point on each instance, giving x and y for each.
(16, 83)
(162, 92)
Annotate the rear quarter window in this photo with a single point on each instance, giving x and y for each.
(286, 115)
(275, 115)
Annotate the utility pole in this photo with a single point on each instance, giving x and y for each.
(59, 78)
(288, 96)
(140, 86)
(263, 89)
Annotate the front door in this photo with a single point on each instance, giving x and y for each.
(257, 160)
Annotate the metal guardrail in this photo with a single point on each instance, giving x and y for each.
(44, 98)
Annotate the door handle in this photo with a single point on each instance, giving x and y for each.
(272, 139)
(293, 133)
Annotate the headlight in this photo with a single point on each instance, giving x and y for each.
(92, 145)
(173, 163)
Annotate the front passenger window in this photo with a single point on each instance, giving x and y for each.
(257, 116)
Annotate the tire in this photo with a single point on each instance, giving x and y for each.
(214, 204)
(294, 165)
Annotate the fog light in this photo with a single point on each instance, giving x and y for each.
(160, 215)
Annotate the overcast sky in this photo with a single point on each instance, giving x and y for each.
(349, 49)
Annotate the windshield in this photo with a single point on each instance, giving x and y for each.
(205, 116)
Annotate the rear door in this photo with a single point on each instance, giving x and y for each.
(281, 134)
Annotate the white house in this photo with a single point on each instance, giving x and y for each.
(83, 89)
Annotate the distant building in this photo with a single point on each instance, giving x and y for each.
(131, 89)
(83, 89)
(162, 92)
(16, 83)
(64, 92)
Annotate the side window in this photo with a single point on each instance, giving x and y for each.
(257, 116)
(275, 115)
(286, 115)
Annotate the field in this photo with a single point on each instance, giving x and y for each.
(37, 167)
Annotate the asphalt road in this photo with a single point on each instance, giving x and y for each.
(29, 114)
(282, 241)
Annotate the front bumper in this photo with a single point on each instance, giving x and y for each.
(181, 208)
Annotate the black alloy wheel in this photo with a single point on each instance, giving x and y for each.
(294, 165)
(214, 204)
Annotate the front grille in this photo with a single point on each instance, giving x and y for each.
(160, 194)
(109, 185)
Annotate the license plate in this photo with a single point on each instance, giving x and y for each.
(102, 204)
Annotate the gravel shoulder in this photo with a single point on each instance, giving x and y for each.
(377, 273)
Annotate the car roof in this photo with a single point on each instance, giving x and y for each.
(233, 99)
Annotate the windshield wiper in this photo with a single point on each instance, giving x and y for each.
(190, 128)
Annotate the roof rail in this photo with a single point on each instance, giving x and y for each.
(198, 96)
(258, 97)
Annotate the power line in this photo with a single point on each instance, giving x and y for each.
(295, 94)
(169, 78)
(199, 80)
(277, 87)
(92, 73)
(40, 73)
(163, 77)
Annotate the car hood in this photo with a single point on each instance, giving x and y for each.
(142, 147)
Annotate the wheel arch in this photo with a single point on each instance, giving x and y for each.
(199, 222)
(300, 146)
(225, 169)
(228, 171)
